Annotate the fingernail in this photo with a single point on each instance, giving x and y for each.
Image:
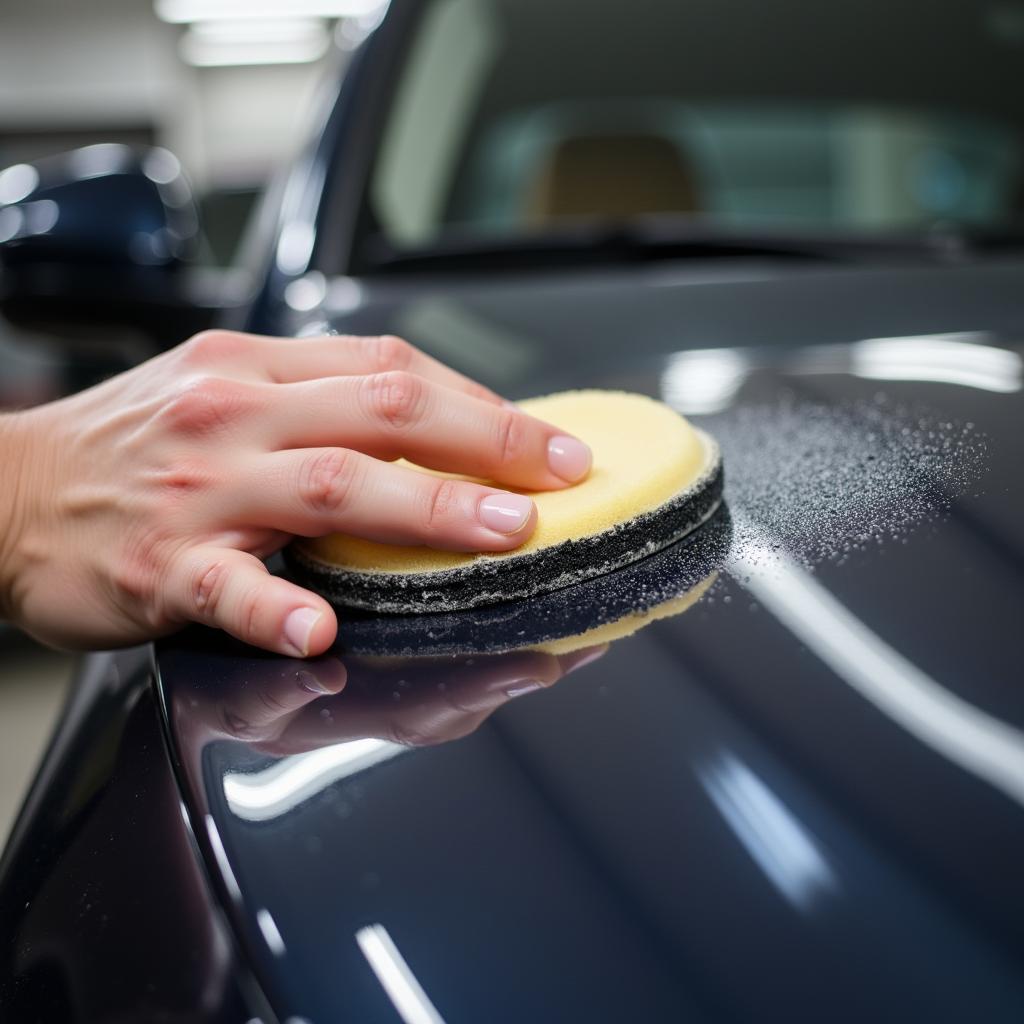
(309, 682)
(568, 458)
(525, 686)
(298, 628)
(505, 513)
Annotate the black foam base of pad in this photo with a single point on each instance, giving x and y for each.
(488, 581)
(572, 611)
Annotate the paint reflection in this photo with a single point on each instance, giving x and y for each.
(387, 707)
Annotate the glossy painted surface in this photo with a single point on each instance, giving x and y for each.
(795, 802)
(101, 235)
(105, 912)
(805, 795)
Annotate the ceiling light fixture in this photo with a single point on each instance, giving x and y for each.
(185, 12)
(273, 41)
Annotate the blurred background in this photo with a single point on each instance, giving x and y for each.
(230, 97)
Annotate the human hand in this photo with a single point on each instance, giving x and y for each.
(149, 500)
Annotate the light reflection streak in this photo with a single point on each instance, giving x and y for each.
(782, 848)
(943, 358)
(295, 246)
(705, 380)
(978, 742)
(98, 160)
(271, 933)
(266, 794)
(17, 183)
(395, 976)
(221, 857)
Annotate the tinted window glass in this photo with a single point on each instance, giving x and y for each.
(515, 116)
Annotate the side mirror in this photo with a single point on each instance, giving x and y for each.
(98, 238)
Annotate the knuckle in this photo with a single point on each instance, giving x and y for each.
(511, 437)
(235, 724)
(408, 735)
(184, 475)
(396, 398)
(389, 352)
(137, 572)
(206, 404)
(212, 345)
(484, 394)
(328, 479)
(208, 584)
(251, 616)
(441, 505)
(133, 580)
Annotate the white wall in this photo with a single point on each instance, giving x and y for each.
(104, 63)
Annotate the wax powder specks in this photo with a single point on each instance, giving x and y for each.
(816, 482)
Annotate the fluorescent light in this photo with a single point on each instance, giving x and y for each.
(781, 847)
(183, 12)
(978, 742)
(227, 43)
(395, 976)
(269, 30)
(260, 796)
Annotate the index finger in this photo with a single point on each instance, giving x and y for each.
(292, 360)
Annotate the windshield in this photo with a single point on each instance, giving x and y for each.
(522, 118)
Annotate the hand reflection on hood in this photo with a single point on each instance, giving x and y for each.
(287, 706)
(425, 679)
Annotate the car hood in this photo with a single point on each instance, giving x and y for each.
(787, 768)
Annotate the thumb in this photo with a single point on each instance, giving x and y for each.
(232, 590)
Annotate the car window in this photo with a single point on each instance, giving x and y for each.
(517, 116)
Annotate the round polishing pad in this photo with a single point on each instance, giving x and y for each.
(592, 611)
(654, 479)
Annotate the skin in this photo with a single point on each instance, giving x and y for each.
(149, 501)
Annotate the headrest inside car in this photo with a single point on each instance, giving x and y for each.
(612, 177)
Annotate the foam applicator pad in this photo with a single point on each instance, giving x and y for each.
(654, 479)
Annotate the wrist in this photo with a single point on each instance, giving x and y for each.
(15, 464)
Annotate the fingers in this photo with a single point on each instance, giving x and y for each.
(421, 410)
(289, 360)
(324, 490)
(232, 590)
(399, 414)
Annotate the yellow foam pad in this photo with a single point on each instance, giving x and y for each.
(644, 453)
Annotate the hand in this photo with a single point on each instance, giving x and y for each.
(149, 500)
